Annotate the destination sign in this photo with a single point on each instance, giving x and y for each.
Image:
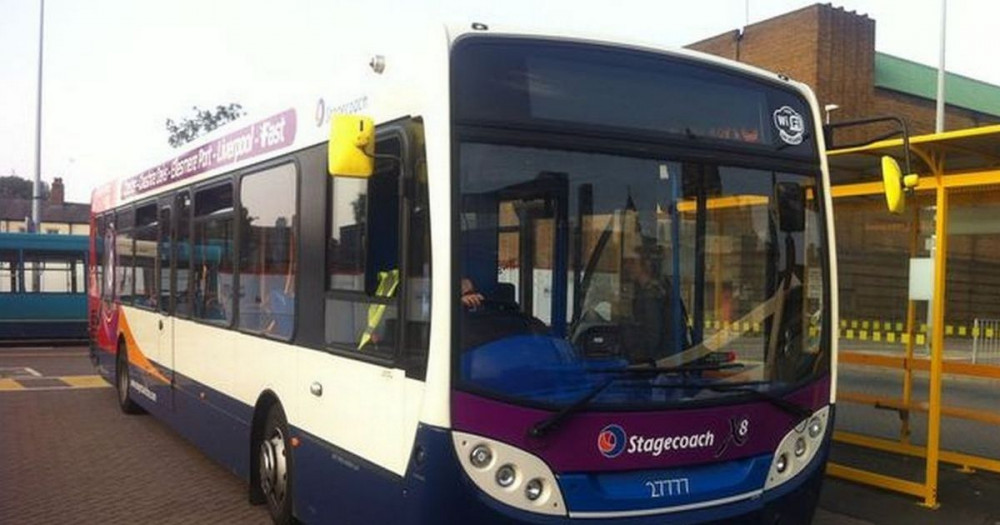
(272, 133)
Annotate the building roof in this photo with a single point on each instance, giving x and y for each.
(912, 78)
(69, 212)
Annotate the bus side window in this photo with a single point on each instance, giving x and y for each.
(182, 255)
(267, 251)
(124, 220)
(146, 236)
(418, 276)
(9, 271)
(362, 308)
(213, 254)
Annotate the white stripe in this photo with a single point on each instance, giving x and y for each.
(666, 510)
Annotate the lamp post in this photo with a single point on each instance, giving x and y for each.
(36, 192)
(939, 119)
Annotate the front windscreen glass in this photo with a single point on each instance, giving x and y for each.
(652, 280)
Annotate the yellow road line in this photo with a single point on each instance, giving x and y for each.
(84, 381)
(9, 384)
(72, 382)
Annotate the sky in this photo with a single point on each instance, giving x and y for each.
(115, 70)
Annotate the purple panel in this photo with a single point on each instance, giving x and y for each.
(256, 139)
(606, 441)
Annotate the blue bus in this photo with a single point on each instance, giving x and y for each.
(43, 287)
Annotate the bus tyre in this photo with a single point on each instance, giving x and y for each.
(275, 466)
(125, 402)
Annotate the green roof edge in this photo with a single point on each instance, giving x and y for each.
(912, 78)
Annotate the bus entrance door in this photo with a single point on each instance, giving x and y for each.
(166, 286)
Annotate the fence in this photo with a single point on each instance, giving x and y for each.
(985, 340)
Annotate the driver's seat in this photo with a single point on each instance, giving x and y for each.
(505, 293)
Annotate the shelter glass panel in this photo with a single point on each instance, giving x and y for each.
(972, 289)
(882, 262)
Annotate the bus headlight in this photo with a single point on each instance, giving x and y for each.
(481, 456)
(533, 490)
(800, 446)
(815, 427)
(509, 474)
(506, 476)
(797, 448)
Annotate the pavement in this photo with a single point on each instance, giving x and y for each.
(67, 454)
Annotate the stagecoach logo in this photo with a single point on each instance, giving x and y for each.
(790, 125)
(351, 107)
(611, 441)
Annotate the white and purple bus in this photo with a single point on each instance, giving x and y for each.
(491, 276)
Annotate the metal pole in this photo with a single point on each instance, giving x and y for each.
(939, 120)
(36, 193)
(937, 346)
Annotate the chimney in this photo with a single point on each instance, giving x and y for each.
(57, 194)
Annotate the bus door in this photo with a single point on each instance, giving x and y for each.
(165, 280)
(533, 241)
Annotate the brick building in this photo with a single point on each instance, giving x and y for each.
(57, 215)
(833, 51)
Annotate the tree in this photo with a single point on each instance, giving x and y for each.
(203, 121)
(14, 187)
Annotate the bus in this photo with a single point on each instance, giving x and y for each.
(491, 276)
(43, 288)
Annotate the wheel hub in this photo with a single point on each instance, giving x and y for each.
(273, 467)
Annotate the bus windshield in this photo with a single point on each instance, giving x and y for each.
(672, 278)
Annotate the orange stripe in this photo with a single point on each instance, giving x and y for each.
(135, 355)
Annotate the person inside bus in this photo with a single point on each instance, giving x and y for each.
(471, 298)
(646, 335)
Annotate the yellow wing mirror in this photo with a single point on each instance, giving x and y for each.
(895, 184)
(351, 152)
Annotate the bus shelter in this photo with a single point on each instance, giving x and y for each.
(920, 297)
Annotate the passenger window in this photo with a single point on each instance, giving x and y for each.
(53, 273)
(107, 254)
(267, 252)
(213, 255)
(182, 255)
(124, 221)
(146, 236)
(362, 310)
(9, 271)
(163, 251)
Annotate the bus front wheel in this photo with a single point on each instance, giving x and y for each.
(275, 465)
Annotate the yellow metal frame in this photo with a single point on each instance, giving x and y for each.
(933, 150)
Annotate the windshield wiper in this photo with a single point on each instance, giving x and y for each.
(656, 370)
(790, 407)
(683, 369)
(542, 427)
